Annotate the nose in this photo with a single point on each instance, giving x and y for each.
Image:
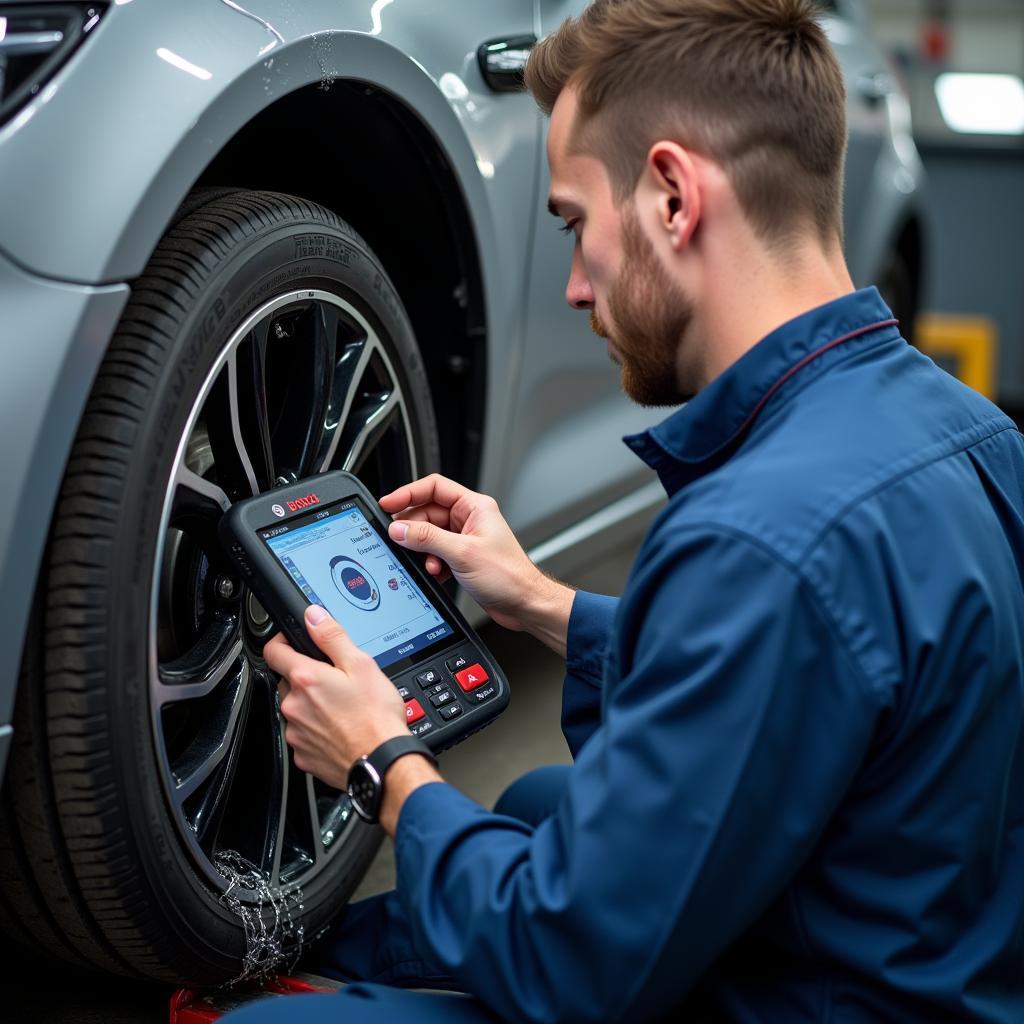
(578, 292)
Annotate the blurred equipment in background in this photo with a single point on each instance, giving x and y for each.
(962, 65)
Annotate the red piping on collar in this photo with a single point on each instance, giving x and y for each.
(797, 367)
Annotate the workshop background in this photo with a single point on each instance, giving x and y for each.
(961, 63)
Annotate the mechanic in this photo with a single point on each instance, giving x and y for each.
(798, 781)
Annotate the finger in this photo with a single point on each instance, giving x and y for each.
(433, 488)
(432, 513)
(329, 636)
(283, 689)
(292, 735)
(447, 546)
(281, 657)
(436, 568)
(277, 638)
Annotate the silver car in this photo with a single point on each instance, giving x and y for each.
(241, 243)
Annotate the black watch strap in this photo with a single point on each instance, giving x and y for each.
(366, 776)
(391, 750)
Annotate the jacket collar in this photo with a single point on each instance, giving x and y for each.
(708, 429)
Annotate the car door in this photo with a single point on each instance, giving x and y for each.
(564, 457)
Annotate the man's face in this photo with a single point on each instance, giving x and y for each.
(634, 302)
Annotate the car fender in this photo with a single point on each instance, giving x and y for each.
(897, 198)
(143, 128)
(43, 389)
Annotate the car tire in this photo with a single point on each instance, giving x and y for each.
(153, 822)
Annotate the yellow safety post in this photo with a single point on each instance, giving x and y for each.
(969, 342)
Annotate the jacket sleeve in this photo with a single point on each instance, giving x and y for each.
(736, 724)
(590, 630)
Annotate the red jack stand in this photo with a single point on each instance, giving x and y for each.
(188, 1007)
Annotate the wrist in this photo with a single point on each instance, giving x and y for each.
(400, 781)
(545, 614)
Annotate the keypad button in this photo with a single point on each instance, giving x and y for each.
(454, 664)
(479, 696)
(472, 677)
(421, 728)
(413, 711)
(405, 693)
(430, 691)
(442, 698)
(450, 711)
(428, 678)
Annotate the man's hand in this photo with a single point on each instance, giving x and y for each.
(464, 532)
(335, 713)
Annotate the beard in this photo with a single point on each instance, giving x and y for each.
(651, 314)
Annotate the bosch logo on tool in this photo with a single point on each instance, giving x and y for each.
(277, 510)
(309, 499)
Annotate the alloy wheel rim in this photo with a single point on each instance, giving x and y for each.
(304, 385)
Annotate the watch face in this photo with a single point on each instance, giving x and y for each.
(364, 789)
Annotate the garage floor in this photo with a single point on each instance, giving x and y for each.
(526, 736)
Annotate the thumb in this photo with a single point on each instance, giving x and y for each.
(328, 635)
(422, 536)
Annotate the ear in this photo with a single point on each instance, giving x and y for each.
(673, 175)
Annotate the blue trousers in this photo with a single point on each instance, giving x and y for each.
(371, 948)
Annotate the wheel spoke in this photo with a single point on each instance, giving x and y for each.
(249, 408)
(214, 740)
(349, 370)
(204, 667)
(324, 356)
(278, 845)
(198, 494)
(196, 508)
(208, 812)
(277, 789)
(368, 422)
(314, 819)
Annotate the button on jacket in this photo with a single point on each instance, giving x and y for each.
(798, 788)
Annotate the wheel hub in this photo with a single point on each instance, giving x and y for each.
(256, 616)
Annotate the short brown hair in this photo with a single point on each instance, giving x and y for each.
(751, 84)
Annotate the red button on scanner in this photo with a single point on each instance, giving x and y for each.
(413, 711)
(472, 677)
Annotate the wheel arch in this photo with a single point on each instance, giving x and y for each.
(405, 198)
(138, 169)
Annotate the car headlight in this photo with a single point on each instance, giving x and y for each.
(35, 40)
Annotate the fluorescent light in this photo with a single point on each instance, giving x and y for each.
(981, 103)
(182, 64)
(375, 12)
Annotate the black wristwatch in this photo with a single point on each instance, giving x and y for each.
(366, 776)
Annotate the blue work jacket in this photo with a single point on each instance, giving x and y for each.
(798, 786)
